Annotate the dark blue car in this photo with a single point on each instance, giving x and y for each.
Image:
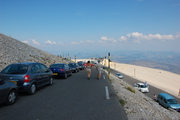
(60, 70)
(81, 65)
(74, 67)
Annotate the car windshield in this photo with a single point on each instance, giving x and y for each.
(172, 101)
(80, 63)
(72, 65)
(143, 86)
(15, 69)
(56, 65)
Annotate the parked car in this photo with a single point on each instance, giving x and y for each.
(60, 69)
(94, 62)
(81, 65)
(8, 92)
(142, 87)
(74, 67)
(168, 101)
(28, 76)
(119, 75)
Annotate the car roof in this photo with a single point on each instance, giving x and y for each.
(72, 63)
(141, 83)
(80, 61)
(27, 63)
(59, 64)
(165, 95)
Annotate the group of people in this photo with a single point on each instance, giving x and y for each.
(88, 68)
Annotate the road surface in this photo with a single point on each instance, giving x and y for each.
(74, 98)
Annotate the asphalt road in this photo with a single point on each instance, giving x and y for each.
(152, 90)
(74, 98)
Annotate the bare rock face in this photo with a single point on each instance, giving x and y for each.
(13, 51)
(138, 106)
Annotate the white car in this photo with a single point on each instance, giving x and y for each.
(142, 87)
(119, 75)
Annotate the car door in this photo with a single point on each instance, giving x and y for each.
(36, 74)
(3, 91)
(67, 69)
(164, 103)
(139, 87)
(45, 74)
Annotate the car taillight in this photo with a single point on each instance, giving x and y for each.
(61, 70)
(26, 78)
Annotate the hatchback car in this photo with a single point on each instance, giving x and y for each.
(74, 67)
(60, 69)
(8, 92)
(28, 76)
(119, 75)
(168, 101)
(142, 87)
(81, 66)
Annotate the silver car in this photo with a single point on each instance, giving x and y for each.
(142, 87)
(119, 75)
(28, 76)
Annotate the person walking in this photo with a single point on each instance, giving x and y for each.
(99, 68)
(146, 84)
(154, 97)
(88, 68)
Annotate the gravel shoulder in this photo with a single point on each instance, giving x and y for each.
(138, 106)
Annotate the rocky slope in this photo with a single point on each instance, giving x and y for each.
(13, 51)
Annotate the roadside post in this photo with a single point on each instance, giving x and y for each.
(105, 61)
(75, 59)
(108, 65)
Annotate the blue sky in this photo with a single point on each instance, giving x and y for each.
(65, 26)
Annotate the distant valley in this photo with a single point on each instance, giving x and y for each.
(169, 61)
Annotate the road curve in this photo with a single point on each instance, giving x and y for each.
(152, 90)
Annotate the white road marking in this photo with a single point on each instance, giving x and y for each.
(107, 92)
(104, 77)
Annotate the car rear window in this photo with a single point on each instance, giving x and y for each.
(172, 101)
(15, 69)
(57, 65)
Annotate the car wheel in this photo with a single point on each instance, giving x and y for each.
(70, 73)
(11, 99)
(32, 89)
(65, 76)
(51, 81)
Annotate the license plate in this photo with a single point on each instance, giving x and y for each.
(14, 81)
(55, 74)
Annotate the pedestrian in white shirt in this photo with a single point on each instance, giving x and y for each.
(99, 68)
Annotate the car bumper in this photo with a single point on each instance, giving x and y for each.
(145, 91)
(25, 87)
(58, 74)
